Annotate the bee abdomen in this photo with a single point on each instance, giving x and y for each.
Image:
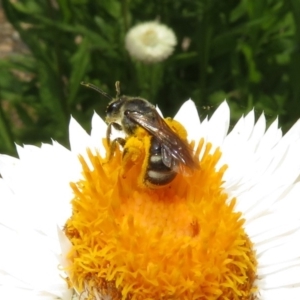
(157, 172)
(159, 178)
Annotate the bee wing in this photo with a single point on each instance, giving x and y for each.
(176, 153)
(171, 160)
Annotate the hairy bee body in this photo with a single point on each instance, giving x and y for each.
(167, 153)
(157, 173)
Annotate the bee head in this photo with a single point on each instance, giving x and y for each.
(114, 110)
(119, 109)
(114, 107)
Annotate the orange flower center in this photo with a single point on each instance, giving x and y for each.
(182, 241)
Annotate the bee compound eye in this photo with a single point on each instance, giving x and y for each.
(114, 107)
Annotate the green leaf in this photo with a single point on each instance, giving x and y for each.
(79, 64)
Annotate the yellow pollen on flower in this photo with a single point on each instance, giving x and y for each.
(183, 241)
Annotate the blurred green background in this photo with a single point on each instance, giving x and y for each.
(245, 51)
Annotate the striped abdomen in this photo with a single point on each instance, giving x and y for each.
(157, 172)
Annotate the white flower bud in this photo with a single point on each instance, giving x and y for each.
(150, 42)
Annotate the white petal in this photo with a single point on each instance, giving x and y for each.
(289, 293)
(288, 277)
(258, 130)
(65, 246)
(295, 130)
(271, 138)
(30, 264)
(49, 194)
(188, 116)
(79, 139)
(218, 125)
(159, 111)
(98, 132)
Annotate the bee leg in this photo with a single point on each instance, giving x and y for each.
(113, 145)
(108, 133)
(108, 130)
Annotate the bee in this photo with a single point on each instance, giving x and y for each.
(168, 153)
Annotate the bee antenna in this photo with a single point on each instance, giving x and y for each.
(92, 86)
(118, 89)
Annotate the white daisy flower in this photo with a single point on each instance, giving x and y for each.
(228, 231)
(150, 42)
